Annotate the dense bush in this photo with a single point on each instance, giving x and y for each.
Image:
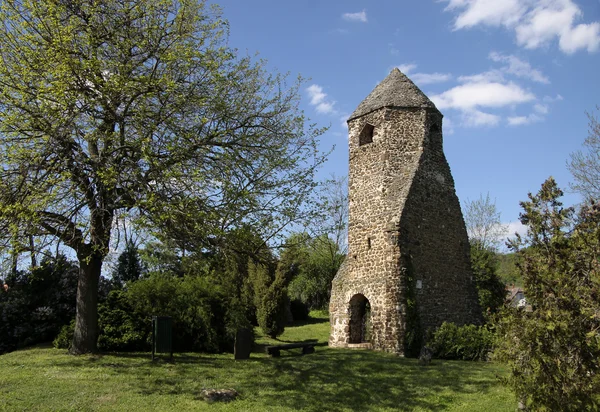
(467, 342)
(121, 328)
(271, 314)
(65, 337)
(198, 309)
(38, 303)
(490, 288)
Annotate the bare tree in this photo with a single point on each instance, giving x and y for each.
(585, 164)
(484, 226)
(335, 199)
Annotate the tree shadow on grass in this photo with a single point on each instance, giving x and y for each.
(329, 379)
(341, 380)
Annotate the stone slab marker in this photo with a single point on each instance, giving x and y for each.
(243, 344)
(408, 265)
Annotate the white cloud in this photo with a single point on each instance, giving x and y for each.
(536, 23)
(518, 120)
(541, 108)
(485, 77)
(356, 17)
(429, 78)
(448, 126)
(484, 90)
(407, 68)
(319, 99)
(583, 36)
(481, 94)
(550, 99)
(423, 78)
(519, 67)
(476, 118)
(490, 12)
(515, 227)
(523, 120)
(344, 121)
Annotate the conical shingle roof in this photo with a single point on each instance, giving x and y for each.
(396, 90)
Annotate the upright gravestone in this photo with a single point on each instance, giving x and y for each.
(243, 344)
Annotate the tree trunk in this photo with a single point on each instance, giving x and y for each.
(15, 262)
(85, 338)
(32, 251)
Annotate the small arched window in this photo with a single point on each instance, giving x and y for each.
(366, 135)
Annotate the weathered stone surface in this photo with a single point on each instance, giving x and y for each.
(219, 395)
(396, 90)
(425, 356)
(406, 232)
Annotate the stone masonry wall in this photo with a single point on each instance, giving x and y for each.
(402, 205)
(379, 180)
(434, 239)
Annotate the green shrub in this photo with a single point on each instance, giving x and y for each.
(65, 337)
(199, 311)
(468, 342)
(38, 303)
(197, 307)
(271, 314)
(491, 290)
(122, 328)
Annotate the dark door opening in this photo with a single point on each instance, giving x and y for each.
(360, 319)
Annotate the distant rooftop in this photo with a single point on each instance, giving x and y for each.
(396, 90)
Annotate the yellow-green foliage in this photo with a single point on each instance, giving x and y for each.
(140, 109)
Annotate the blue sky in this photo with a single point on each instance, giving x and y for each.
(513, 78)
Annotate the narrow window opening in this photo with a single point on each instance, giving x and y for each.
(369, 243)
(366, 135)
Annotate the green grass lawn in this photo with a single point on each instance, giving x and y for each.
(328, 380)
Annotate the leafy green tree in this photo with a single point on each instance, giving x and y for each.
(485, 231)
(317, 261)
(123, 106)
(507, 269)
(490, 288)
(553, 347)
(129, 266)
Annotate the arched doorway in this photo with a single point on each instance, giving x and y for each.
(360, 319)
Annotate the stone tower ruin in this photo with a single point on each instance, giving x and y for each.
(408, 266)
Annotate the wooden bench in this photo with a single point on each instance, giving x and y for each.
(307, 348)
